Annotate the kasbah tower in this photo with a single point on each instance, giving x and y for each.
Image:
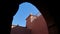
(34, 25)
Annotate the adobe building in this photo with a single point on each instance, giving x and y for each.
(37, 24)
(34, 25)
(16, 29)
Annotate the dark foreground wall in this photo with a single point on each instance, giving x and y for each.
(8, 8)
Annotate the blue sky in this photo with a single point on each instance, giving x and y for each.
(23, 12)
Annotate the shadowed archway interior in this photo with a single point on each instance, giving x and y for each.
(10, 7)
